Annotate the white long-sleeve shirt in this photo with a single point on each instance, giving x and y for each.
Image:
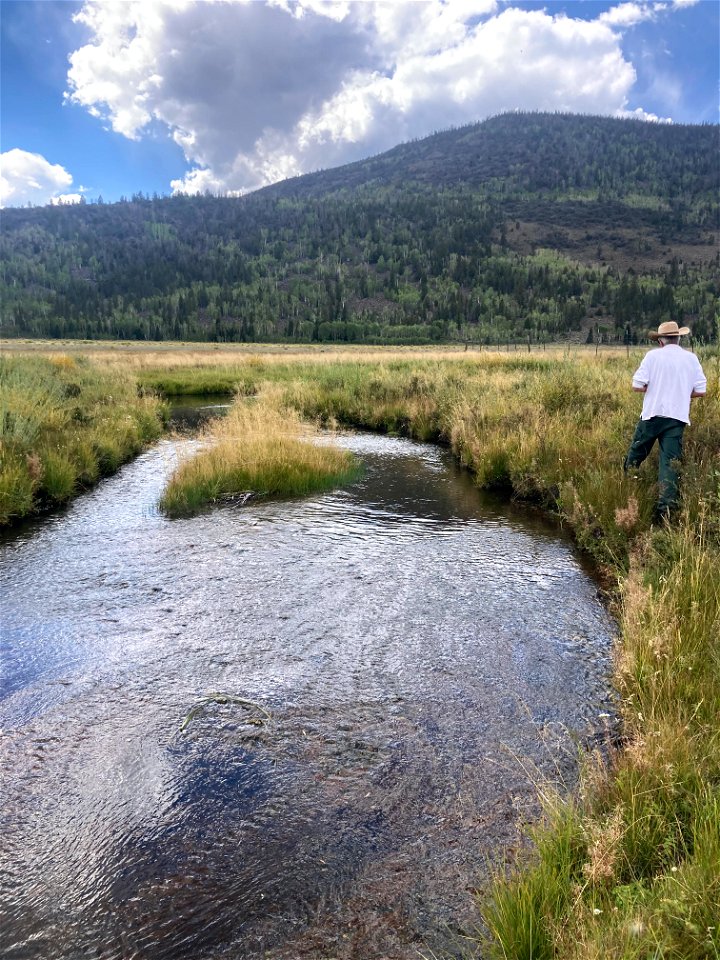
(670, 374)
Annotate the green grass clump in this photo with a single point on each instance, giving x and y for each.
(59, 476)
(17, 489)
(198, 381)
(64, 422)
(523, 914)
(257, 449)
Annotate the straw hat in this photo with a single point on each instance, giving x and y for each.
(669, 329)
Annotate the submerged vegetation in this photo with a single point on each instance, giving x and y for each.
(626, 867)
(256, 451)
(63, 424)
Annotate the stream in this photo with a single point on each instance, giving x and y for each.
(291, 731)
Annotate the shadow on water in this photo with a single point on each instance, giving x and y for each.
(420, 647)
(190, 413)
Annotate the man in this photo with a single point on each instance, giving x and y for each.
(669, 378)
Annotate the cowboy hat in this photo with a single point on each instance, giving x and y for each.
(669, 329)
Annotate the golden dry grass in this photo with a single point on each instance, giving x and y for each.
(258, 450)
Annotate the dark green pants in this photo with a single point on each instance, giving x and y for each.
(668, 433)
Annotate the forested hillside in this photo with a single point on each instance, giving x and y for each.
(525, 226)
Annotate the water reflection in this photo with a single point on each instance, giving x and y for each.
(411, 640)
(190, 413)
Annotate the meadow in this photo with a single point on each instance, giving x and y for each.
(626, 865)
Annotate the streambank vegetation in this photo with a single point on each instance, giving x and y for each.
(627, 865)
(64, 423)
(258, 450)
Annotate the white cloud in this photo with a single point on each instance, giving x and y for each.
(631, 13)
(66, 198)
(628, 14)
(639, 114)
(255, 92)
(29, 177)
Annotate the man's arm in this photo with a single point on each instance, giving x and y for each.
(700, 385)
(641, 377)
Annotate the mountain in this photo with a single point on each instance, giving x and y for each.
(539, 226)
(542, 154)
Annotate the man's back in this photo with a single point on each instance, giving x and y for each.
(670, 374)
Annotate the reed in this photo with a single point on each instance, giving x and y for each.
(258, 450)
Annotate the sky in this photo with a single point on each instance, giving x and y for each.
(108, 98)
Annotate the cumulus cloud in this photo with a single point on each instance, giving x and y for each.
(256, 92)
(628, 14)
(64, 198)
(29, 177)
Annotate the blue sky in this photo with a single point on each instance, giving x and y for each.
(163, 95)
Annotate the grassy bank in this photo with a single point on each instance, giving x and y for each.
(256, 450)
(63, 424)
(628, 866)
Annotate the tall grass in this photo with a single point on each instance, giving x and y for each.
(63, 423)
(256, 450)
(642, 878)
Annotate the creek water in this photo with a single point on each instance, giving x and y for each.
(424, 654)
